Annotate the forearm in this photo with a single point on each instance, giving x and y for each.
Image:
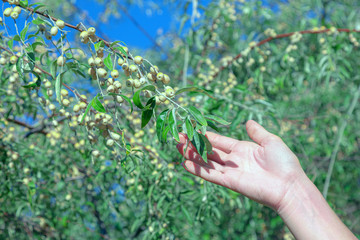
(308, 216)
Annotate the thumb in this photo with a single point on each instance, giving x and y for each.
(257, 133)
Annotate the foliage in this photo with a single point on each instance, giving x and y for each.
(88, 128)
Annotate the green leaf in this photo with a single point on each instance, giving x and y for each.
(197, 115)
(194, 89)
(201, 143)
(31, 85)
(11, 43)
(147, 113)
(213, 126)
(187, 215)
(164, 133)
(146, 116)
(108, 63)
(97, 105)
(173, 125)
(58, 84)
(40, 5)
(217, 119)
(24, 3)
(136, 97)
(17, 38)
(38, 21)
(189, 129)
(24, 31)
(31, 56)
(98, 45)
(86, 110)
(160, 124)
(121, 49)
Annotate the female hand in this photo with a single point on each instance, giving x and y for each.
(269, 173)
(263, 171)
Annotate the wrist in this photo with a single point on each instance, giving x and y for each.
(308, 215)
(299, 191)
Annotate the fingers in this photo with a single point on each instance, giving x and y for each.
(218, 155)
(192, 155)
(204, 172)
(222, 143)
(257, 133)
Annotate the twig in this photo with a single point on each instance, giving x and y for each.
(338, 141)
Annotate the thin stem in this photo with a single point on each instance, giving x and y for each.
(338, 141)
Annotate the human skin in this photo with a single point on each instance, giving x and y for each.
(268, 172)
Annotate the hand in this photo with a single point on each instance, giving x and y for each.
(269, 173)
(263, 171)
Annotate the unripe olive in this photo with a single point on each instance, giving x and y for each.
(62, 112)
(54, 31)
(162, 98)
(61, 61)
(52, 107)
(160, 76)
(14, 156)
(154, 69)
(133, 68)
(129, 82)
(169, 92)
(84, 35)
(110, 89)
(60, 24)
(102, 72)
(11, 1)
(142, 80)
(117, 85)
(76, 108)
(82, 105)
(17, 9)
(13, 59)
(121, 61)
(110, 143)
(91, 61)
(125, 66)
(115, 73)
(7, 12)
(99, 62)
(92, 72)
(110, 81)
(166, 79)
(50, 92)
(150, 77)
(137, 83)
(119, 99)
(115, 136)
(95, 153)
(3, 61)
(91, 31)
(47, 84)
(138, 60)
(147, 93)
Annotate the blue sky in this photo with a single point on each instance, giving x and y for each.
(124, 30)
